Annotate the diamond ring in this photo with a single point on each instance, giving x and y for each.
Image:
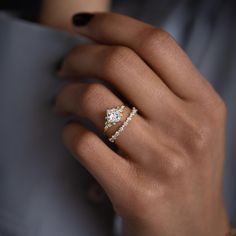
(122, 127)
(113, 116)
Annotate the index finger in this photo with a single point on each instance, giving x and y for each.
(154, 46)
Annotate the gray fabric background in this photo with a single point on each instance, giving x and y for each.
(43, 191)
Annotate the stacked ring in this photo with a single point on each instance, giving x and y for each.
(114, 116)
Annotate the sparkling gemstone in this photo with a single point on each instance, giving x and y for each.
(113, 116)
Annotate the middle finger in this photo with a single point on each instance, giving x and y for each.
(122, 68)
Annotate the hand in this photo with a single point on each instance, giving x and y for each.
(167, 178)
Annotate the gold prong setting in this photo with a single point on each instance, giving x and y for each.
(113, 116)
(124, 125)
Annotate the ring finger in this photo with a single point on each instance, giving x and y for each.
(91, 101)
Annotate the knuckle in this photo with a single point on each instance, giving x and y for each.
(174, 165)
(220, 107)
(195, 132)
(199, 137)
(116, 58)
(172, 160)
(215, 107)
(154, 38)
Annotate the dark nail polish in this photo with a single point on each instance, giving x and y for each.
(82, 19)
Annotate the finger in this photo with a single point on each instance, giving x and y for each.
(155, 46)
(57, 14)
(92, 101)
(109, 169)
(122, 68)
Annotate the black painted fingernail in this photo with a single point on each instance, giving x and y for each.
(82, 19)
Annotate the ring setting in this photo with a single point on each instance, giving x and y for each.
(113, 116)
(124, 125)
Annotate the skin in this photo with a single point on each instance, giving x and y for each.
(166, 178)
(57, 13)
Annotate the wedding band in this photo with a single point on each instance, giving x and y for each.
(125, 124)
(113, 116)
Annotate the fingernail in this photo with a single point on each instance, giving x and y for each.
(82, 19)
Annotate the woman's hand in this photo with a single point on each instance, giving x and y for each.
(167, 178)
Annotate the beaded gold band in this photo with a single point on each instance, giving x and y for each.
(113, 116)
(121, 129)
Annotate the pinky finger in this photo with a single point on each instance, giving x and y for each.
(108, 168)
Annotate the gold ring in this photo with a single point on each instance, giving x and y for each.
(125, 124)
(113, 116)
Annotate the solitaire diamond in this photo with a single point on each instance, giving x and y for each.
(113, 115)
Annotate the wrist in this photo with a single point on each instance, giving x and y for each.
(219, 226)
